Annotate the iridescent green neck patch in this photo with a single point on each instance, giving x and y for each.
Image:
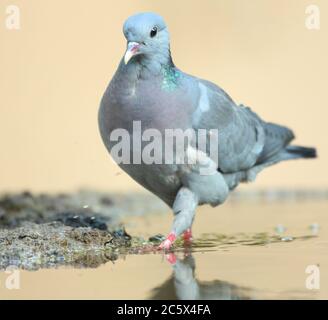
(170, 78)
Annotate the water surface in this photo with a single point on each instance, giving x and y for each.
(241, 251)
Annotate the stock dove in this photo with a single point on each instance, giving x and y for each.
(149, 89)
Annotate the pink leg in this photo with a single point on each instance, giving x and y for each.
(183, 207)
(187, 236)
(167, 243)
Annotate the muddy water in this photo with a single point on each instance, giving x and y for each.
(241, 251)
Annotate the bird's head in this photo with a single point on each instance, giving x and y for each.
(147, 38)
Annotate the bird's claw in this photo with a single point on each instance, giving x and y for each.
(167, 243)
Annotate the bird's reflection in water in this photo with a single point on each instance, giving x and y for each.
(183, 284)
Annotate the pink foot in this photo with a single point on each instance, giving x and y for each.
(167, 243)
(171, 258)
(187, 236)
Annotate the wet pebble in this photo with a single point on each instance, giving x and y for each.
(157, 238)
(287, 239)
(121, 233)
(76, 221)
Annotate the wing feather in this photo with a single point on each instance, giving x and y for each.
(241, 133)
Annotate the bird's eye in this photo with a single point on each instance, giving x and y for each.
(153, 32)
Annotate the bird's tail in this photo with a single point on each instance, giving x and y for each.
(288, 153)
(301, 152)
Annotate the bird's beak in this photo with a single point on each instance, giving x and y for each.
(132, 50)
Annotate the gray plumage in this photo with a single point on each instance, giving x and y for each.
(151, 89)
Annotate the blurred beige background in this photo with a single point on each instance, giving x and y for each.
(53, 72)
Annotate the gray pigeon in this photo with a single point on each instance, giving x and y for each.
(148, 92)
